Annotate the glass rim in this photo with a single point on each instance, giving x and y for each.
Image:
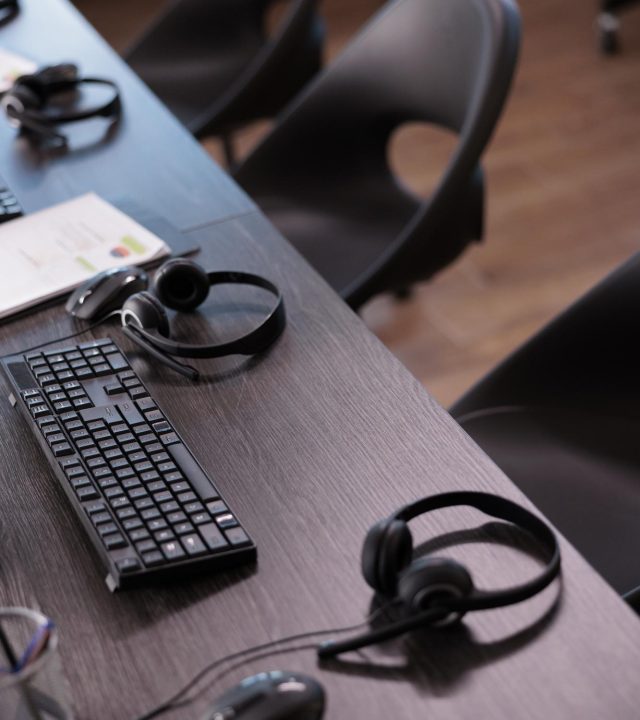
(8, 680)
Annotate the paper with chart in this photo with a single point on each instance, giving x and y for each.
(50, 252)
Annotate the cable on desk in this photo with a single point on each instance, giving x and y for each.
(246, 655)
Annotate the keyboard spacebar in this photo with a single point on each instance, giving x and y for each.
(192, 471)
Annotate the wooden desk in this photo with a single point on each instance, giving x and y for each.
(311, 444)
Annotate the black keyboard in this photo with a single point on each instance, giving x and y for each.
(9, 205)
(150, 510)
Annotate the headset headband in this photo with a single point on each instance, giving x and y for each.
(30, 112)
(503, 509)
(253, 342)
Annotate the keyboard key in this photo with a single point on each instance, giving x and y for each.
(119, 502)
(88, 493)
(107, 413)
(183, 528)
(159, 524)
(115, 541)
(193, 507)
(136, 535)
(101, 517)
(133, 523)
(146, 546)
(177, 517)
(187, 497)
(95, 507)
(128, 513)
(144, 503)
(117, 362)
(63, 448)
(173, 550)
(108, 528)
(212, 536)
(161, 427)
(237, 536)
(153, 558)
(170, 507)
(169, 439)
(146, 404)
(127, 565)
(130, 412)
(217, 506)
(226, 521)
(190, 468)
(193, 544)
(163, 536)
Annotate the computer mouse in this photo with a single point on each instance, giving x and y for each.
(271, 696)
(106, 292)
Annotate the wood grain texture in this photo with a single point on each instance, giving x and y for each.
(148, 156)
(310, 443)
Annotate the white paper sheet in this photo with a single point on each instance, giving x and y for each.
(11, 67)
(47, 253)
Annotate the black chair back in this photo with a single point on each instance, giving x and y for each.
(445, 62)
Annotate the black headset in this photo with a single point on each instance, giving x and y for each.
(433, 590)
(8, 10)
(25, 103)
(183, 285)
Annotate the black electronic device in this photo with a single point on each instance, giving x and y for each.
(105, 292)
(28, 103)
(8, 9)
(435, 590)
(148, 507)
(271, 696)
(181, 285)
(9, 206)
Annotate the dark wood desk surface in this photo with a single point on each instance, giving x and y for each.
(311, 444)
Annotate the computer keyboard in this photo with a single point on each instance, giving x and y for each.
(9, 205)
(148, 507)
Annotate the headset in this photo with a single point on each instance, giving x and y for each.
(8, 9)
(183, 285)
(433, 590)
(25, 103)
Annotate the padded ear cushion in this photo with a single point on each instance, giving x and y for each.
(145, 311)
(181, 284)
(431, 580)
(386, 552)
(26, 95)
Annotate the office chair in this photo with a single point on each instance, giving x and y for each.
(561, 417)
(609, 24)
(322, 175)
(214, 65)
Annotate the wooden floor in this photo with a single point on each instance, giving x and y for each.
(563, 173)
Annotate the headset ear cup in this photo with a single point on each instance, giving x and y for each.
(431, 580)
(181, 284)
(145, 311)
(26, 95)
(386, 552)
